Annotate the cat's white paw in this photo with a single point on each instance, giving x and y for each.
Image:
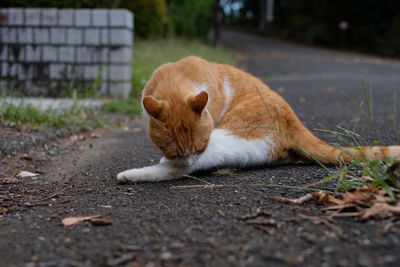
(163, 160)
(123, 177)
(138, 175)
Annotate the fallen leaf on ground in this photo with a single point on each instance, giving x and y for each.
(73, 220)
(25, 174)
(299, 200)
(381, 198)
(356, 196)
(100, 221)
(95, 135)
(27, 157)
(340, 207)
(324, 198)
(79, 137)
(381, 210)
(82, 148)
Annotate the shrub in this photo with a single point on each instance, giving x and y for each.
(190, 18)
(149, 14)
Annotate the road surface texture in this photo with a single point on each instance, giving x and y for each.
(157, 224)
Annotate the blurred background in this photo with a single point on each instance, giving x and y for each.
(168, 30)
(368, 26)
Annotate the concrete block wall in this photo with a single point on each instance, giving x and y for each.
(49, 51)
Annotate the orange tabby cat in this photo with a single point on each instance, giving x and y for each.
(204, 115)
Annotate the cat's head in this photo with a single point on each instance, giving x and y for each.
(181, 127)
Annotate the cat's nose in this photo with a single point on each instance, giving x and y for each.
(187, 161)
(190, 161)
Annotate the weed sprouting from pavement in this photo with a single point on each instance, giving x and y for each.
(359, 172)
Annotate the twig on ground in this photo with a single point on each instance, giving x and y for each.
(270, 185)
(197, 179)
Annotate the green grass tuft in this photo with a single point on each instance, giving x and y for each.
(358, 173)
(21, 113)
(129, 106)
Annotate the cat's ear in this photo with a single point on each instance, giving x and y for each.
(155, 108)
(198, 102)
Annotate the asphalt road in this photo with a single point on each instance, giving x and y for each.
(241, 225)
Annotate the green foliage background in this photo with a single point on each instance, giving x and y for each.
(149, 14)
(153, 18)
(190, 18)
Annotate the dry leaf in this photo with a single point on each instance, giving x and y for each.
(340, 207)
(381, 210)
(100, 221)
(25, 174)
(12, 178)
(75, 138)
(325, 197)
(381, 198)
(299, 200)
(73, 220)
(366, 188)
(95, 135)
(27, 157)
(82, 148)
(356, 196)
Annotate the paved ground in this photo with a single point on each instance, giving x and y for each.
(159, 224)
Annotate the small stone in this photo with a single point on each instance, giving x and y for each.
(166, 255)
(328, 250)
(176, 245)
(28, 204)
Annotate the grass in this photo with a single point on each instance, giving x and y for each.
(21, 113)
(359, 172)
(356, 174)
(127, 106)
(150, 54)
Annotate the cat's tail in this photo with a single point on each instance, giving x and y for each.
(311, 148)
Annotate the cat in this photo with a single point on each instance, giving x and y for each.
(205, 115)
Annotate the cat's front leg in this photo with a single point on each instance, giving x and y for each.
(165, 170)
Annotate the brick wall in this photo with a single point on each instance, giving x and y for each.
(49, 51)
